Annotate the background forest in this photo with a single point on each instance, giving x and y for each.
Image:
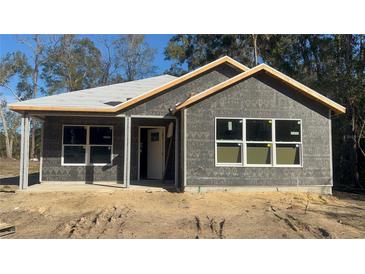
(334, 65)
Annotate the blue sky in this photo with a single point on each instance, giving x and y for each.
(11, 43)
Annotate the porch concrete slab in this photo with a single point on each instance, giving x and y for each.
(90, 187)
(71, 188)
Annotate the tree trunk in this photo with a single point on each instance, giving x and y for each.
(6, 133)
(32, 152)
(352, 119)
(353, 151)
(35, 90)
(11, 144)
(254, 38)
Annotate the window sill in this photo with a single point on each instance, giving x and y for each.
(229, 165)
(86, 164)
(251, 165)
(297, 166)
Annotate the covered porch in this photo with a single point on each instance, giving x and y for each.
(144, 152)
(154, 151)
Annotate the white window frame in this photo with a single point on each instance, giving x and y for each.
(87, 146)
(244, 143)
(259, 142)
(241, 142)
(289, 143)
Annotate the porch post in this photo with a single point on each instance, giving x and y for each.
(127, 150)
(24, 152)
(177, 153)
(183, 147)
(41, 154)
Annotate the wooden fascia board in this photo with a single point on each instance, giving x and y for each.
(180, 80)
(218, 87)
(65, 109)
(337, 108)
(236, 63)
(153, 92)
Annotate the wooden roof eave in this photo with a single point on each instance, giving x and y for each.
(337, 108)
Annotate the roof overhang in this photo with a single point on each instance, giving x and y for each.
(135, 100)
(337, 108)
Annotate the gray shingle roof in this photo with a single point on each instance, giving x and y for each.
(105, 96)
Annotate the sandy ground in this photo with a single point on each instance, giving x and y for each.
(118, 213)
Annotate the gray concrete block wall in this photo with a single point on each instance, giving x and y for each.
(52, 169)
(159, 105)
(258, 97)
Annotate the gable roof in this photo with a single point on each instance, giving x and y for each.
(104, 97)
(77, 101)
(337, 108)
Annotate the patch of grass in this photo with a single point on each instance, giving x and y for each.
(10, 167)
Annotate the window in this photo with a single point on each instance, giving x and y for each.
(258, 142)
(288, 142)
(100, 154)
(229, 153)
(287, 154)
(229, 129)
(258, 154)
(74, 141)
(87, 145)
(229, 141)
(100, 145)
(74, 135)
(74, 154)
(155, 136)
(287, 130)
(258, 130)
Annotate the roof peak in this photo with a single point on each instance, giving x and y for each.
(273, 72)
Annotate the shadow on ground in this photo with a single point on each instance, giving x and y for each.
(168, 186)
(14, 181)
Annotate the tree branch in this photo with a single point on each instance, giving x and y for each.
(359, 138)
(15, 95)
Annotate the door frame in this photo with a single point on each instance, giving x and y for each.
(139, 148)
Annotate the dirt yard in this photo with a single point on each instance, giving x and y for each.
(119, 213)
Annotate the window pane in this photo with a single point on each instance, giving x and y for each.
(258, 130)
(75, 135)
(101, 155)
(287, 154)
(155, 136)
(259, 154)
(100, 135)
(229, 129)
(74, 155)
(287, 130)
(228, 153)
